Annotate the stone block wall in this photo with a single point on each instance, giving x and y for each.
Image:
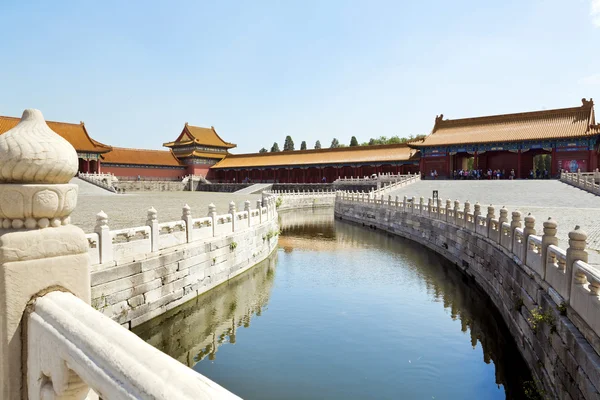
(560, 348)
(287, 200)
(134, 292)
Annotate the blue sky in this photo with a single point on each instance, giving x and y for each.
(136, 71)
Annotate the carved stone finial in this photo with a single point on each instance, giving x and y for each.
(32, 153)
(152, 214)
(35, 168)
(550, 227)
(101, 219)
(578, 234)
(187, 211)
(491, 211)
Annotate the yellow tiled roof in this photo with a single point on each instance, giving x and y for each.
(120, 155)
(536, 125)
(344, 155)
(201, 136)
(76, 134)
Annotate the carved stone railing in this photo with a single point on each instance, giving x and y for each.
(74, 350)
(571, 280)
(104, 181)
(588, 181)
(129, 244)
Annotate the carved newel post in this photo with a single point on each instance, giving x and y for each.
(186, 215)
(527, 231)
(489, 217)
(212, 213)
(248, 211)
(448, 207)
(548, 238)
(39, 250)
(259, 208)
(232, 212)
(575, 252)
(152, 222)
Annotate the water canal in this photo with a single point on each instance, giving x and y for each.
(343, 312)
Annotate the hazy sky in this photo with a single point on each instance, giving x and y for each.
(135, 72)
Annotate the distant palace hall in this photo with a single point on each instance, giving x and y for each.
(505, 142)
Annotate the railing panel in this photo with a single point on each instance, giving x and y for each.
(506, 236)
(202, 228)
(223, 224)
(131, 242)
(556, 263)
(518, 248)
(585, 289)
(171, 234)
(71, 348)
(494, 230)
(534, 254)
(93, 248)
(481, 225)
(255, 217)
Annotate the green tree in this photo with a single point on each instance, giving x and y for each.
(334, 143)
(288, 145)
(263, 150)
(318, 144)
(303, 145)
(275, 148)
(353, 141)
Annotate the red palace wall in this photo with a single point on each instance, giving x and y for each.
(439, 164)
(573, 160)
(195, 169)
(144, 172)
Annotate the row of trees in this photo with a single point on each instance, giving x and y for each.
(288, 145)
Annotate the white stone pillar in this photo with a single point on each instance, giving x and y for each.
(466, 212)
(491, 211)
(232, 212)
(429, 205)
(104, 240)
(397, 201)
(448, 207)
(186, 216)
(39, 250)
(548, 238)
(404, 201)
(247, 209)
(575, 252)
(152, 222)
(456, 210)
(258, 206)
(527, 231)
(212, 213)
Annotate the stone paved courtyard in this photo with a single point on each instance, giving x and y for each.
(129, 210)
(569, 206)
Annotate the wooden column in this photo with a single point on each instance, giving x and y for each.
(475, 161)
(519, 176)
(554, 164)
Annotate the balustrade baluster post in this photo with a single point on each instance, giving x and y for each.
(421, 204)
(212, 213)
(489, 217)
(397, 201)
(527, 231)
(466, 213)
(247, 209)
(514, 224)
(575, 252)
(548, 238)
(429, 205)
(456, 210)
(448, 207)
(187, 217)
(152, 222)
(404, 201)
(104, 240)
(259, 207)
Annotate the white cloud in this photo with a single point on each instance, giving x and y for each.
(590, 80)
(595, 12)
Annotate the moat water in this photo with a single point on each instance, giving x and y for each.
(344, 312)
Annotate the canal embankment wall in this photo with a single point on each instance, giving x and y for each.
(142, 272)
(547, 297)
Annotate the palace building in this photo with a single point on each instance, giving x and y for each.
(505, 142)
(311, 166)
(511, 141)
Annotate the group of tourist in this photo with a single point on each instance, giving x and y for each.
(483, 174)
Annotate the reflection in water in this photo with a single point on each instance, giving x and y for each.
(352, 313)
(196, 329)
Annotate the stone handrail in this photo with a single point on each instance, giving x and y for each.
(567, 273)
(73, 349)
(399, 181)
(588, 181)
(137, 243)
(312, 193)
(98, 180)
